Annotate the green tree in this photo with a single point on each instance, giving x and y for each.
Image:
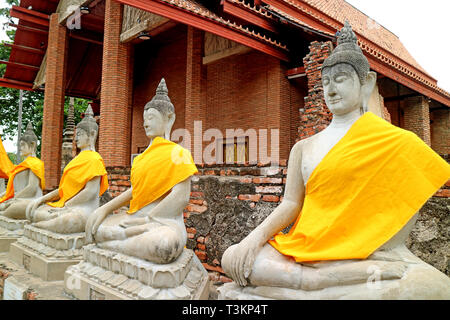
(33, 101)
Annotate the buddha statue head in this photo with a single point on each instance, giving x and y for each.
(28, 142)
(87, 131)
(159, 114)
(346, 76)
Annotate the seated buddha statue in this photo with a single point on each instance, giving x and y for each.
(84, 179)
(351, 198)
(6, 167)
(26, 180)
(153, 228)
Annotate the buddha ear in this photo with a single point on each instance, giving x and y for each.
(170, 121)
(367, 89)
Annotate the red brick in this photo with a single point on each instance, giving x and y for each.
(443, 193)
(201, 255)
(270, 198)
(251, 197)
(196, 201)
(245, 180)
(201, 239)
(196, 208)
(271, 189)
(213, 268)
(267, 180)
(197, 194)
(191, 230)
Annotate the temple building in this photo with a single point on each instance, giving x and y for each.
(252, 65)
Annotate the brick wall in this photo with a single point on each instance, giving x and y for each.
(52, 128)
(151, 64)
(440, 131)
(417, 117)
(115, 103)
(315, 116)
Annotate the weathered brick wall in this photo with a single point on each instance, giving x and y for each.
(227, 202)
(151, 64)
(440, 131)
(417, 117)
(315, 116)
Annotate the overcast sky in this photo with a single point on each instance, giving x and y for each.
(422, 26)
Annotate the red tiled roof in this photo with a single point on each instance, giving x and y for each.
(194, 7)
(378, 42)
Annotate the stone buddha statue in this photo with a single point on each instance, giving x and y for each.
(26, 180)
(66, 209)
(351, 198)
(153, 228)
(140, 253)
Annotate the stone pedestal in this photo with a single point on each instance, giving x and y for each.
(47, 254)
(108, 275)
(10, 231)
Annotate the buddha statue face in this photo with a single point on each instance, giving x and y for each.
(27, 148)
(346, 77)
(342, 88)
(28, 142)
(85, 139)
(157, 124)
(87, 131)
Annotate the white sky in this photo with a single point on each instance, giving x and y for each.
(422, 26)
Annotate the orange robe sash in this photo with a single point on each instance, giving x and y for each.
(84, 167)
(157, 170)
(32, 163)
(6, 166)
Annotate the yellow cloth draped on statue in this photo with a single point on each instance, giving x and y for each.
(84, 167)
(157, 170)
(363, 192)
(35, 165)
(6, 166)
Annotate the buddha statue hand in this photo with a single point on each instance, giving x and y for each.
(93, 223)
(31, 208)
(238, 262)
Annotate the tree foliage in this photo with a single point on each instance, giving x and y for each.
(33, 101)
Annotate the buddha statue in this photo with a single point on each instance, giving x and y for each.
(84, 179)
(6, 167)
(351, 198)
(26, 180)
(153, 228)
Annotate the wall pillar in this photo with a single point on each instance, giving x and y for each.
(278, 110)
(315, 116)
(440, 131)
(116, 94)
(417, 117)
(52, 127)
(195, 89)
